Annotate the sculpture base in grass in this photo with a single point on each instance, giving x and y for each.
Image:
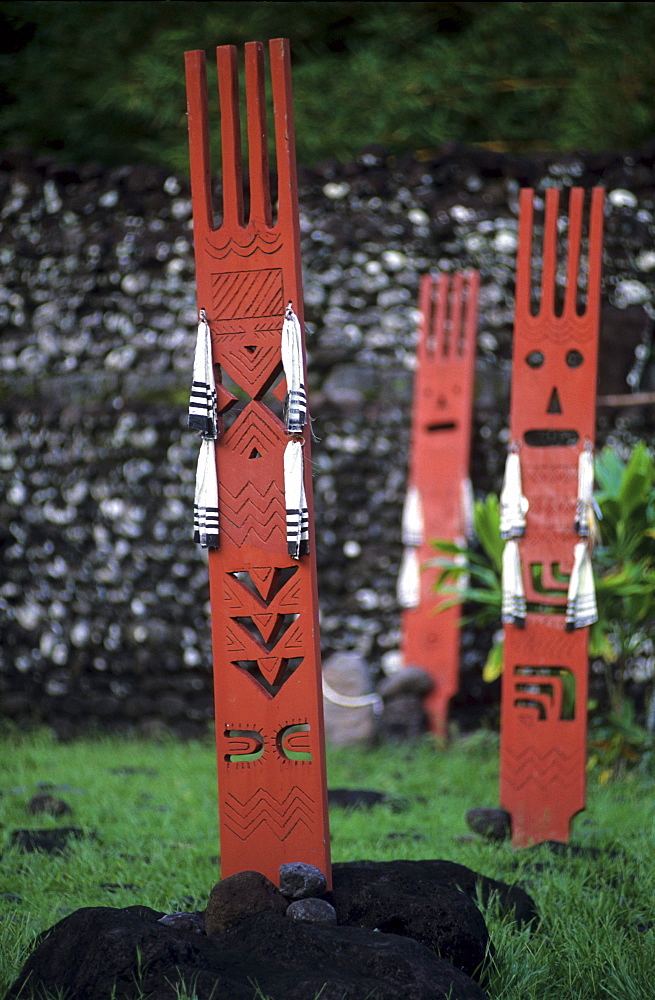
(405, 928)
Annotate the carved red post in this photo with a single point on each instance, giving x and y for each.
(437, 498)
(544, 687)
(267, 683)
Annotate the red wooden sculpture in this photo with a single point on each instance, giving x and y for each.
(269, 713)
(438, 477)
(544, 688)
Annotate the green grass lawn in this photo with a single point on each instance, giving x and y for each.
(150, 812)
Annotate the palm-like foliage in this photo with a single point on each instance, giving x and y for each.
(624, 564)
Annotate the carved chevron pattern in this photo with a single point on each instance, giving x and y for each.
(249, 514)
(541, 769)
(277, 589)
(281, 816)
(251, 430)
(248, 295)
(252, 366)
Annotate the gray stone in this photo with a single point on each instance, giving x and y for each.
(298, 880)
(312, 911)
(409, 680)
(183, 921)
(348, 674)
(404, 718)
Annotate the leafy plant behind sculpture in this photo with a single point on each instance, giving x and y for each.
(624, 563)
(624, 569)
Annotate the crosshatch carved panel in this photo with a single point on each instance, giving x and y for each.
(264, 607)
(248, 294)
(552, 419)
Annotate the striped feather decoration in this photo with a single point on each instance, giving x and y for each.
(581, 609)
(202, 405)
(295, 500)
(513, 505)
(205, 507)
(513, 609)
(295, 403)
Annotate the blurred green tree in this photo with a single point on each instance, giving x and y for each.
(103, 80)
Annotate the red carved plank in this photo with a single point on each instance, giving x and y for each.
(266, 653)
(543, 738)
(439, 467)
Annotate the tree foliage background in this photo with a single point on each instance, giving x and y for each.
(104, 80)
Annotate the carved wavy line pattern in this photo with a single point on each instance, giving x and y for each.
(249, 514)
(558, 331)
(245, 244)
(281, 816)
(248, 295)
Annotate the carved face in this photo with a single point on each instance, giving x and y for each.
(552, 383)
(555, 350)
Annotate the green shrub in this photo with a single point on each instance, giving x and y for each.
(624, 568)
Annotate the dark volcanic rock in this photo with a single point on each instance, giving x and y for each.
(396, 898)
(239, 896)
(355, 798)
(50, 804)
(50, 841)
(421, 880)
(93, 953)
(489, 822)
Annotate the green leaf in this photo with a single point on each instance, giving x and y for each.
(493, 667)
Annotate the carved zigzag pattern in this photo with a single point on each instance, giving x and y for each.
(281, 817)
(249, 514)
(540, 769)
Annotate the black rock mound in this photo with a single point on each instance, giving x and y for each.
(406, 929)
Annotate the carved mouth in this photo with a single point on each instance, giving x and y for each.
(449, 425)
(551, 438)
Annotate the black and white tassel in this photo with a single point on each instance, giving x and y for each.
(202, 405)
(295, 403)
(581, 609)
(408, 584)
(295, 500)
(468, 509)
(513, 505)
(513, 609)
(205, 507)
(586, 509)
(412, 525)
(203, 417)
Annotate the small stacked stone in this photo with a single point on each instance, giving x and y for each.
(243, 894)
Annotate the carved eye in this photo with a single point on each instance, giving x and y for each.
(535, 359)
(574, 359)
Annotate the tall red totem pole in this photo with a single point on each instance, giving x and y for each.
(266, 653)
(437, 494)
(552, 421)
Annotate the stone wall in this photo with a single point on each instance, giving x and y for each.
(103, 596)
